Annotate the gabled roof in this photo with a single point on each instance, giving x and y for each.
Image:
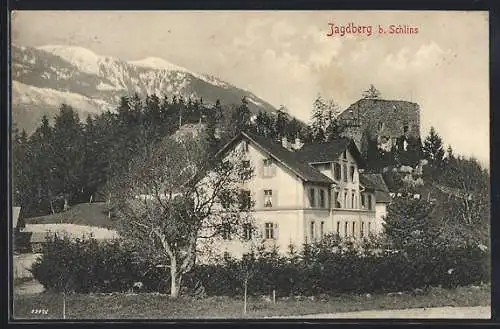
(330, 151)
(289, 159)
(89, 214)
(377, 183)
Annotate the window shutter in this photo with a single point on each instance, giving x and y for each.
(276, 231)
(273, 169)
(261, 199)
(261, 228)
(275, 198)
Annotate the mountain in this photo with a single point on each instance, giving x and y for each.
(45, 77)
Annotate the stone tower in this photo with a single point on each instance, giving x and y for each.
(383, 120)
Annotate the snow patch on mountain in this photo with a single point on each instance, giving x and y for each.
(106, 86)
(250, 99)
(84, 59)
(158, 64)
(24, 94)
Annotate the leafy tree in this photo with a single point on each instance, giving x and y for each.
(371, 93)
(433, 149)
(470, 206)
(175, 195)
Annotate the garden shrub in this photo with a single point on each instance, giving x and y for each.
(327, 267)
(90, 266)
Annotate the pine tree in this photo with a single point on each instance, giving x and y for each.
(371, 93)
(43, 156)
(318, 119)
(293, 128)
(433, 149)
(69, 159)
(409, 224)
(241, 116)
(281, 122)
(22, 186)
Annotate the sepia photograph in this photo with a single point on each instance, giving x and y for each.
(265, 165)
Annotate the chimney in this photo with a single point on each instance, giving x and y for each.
(284, 142)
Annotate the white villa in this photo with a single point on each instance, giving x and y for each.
(302, 192)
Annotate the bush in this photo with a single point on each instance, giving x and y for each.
(89, 265)
(322, 269)
(328, 267)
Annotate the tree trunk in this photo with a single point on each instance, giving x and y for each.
(175, 279)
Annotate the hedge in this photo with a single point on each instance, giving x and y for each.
(90, 266)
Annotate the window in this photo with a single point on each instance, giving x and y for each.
(268, 168)
(311, 231)
(353, 170)
(345, 228)
(268, 198)
(362, 200)
(245, 200)
(353, 228)
(225, 199)
(338, 228)
(337, 171)
(344, 155)
(269, 233)
(362, 231)
(369, 202)
(246, 173)
(244, 146)
(345, 173)
(226, 231)
(394, 142)
(247, 231)
(322, 229)
(406, 128)
(336, 201)
(380, 125)
(369, 227)
(353, 199)
(346, 204)
(322, 202)
(312, 201)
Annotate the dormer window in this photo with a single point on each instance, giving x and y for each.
(353, 170)
(344, 155)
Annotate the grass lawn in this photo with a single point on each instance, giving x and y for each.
(155, 306)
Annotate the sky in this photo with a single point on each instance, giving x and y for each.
(287, 57)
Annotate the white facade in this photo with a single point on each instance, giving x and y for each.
(289, 210)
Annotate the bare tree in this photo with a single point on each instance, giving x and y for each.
(175, 195)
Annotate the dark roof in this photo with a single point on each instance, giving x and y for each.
(330, 151)
(377, 183)
(90, 214)
(289, 159)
